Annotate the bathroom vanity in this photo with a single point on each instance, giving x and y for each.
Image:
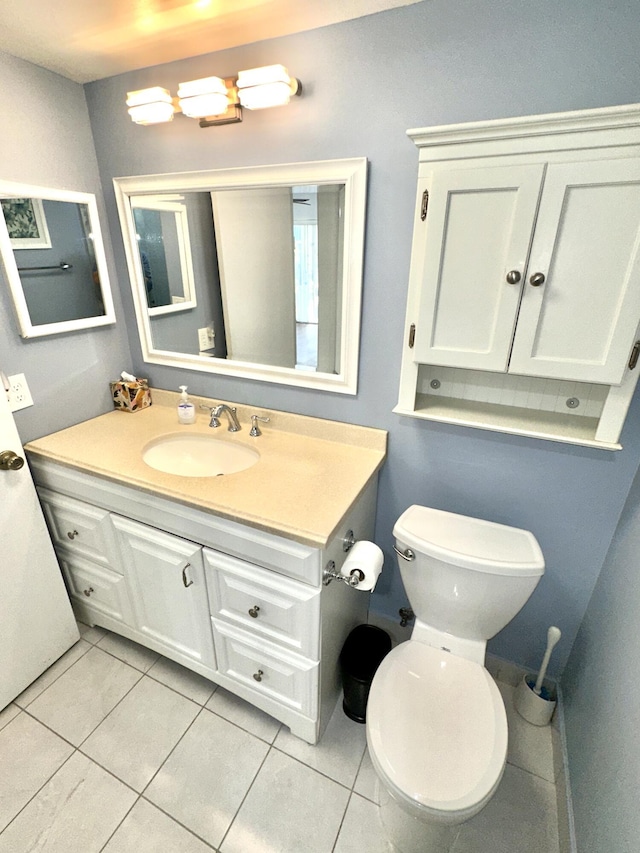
(222, 574)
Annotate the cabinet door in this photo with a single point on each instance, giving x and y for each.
(581, 322)
(165, 577)
(479, 227)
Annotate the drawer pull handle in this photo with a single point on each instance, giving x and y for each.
(258, 675)
(88, 592)
(186, 583)
(72, 534)
(253, 611)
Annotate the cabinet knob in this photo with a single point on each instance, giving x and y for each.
(88, 592)
(10, 461)
(253, 611)
(537, 279)
(513, 277)
(72, 534)
(258, 675)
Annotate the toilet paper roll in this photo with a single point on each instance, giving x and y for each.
(367, 558)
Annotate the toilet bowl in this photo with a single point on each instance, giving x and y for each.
(436, 722)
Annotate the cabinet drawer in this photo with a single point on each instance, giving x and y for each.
(78, 527)
(266, 670)
(96, 587)
(264, 603)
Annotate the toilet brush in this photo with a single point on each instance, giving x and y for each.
(532, 699)
(553, 635)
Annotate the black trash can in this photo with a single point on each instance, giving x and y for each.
(361, 655)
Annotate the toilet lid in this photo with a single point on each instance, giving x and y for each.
(436, 727)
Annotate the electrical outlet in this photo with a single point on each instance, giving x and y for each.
(203, 339)
(19, 394)
(206, 338)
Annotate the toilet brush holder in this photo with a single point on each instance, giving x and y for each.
(536, 709)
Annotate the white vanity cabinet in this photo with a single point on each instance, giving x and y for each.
(243, 607)
(526, 262)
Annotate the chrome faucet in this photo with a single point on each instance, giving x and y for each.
(216, 411)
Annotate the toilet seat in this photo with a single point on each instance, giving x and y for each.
(437, 731)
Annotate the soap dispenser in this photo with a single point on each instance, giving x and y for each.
(186, 409)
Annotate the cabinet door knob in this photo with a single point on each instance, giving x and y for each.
(537, 279)
(253, 611)
(10, 461)
(513, 277)
(258, 675)
(88, 592)
(72, 534)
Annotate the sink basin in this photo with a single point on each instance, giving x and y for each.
(198, 456)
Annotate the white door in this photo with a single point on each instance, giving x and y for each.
(478, 229)
(165, 576)
(580, 323)
(36, 621)
(258, 298)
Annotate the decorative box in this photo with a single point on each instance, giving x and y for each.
(130, 396)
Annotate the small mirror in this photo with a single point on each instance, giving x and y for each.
(164, 246)
(252, 272)
(53, 258)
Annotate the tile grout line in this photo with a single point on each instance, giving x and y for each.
(44, 784)
(346, 809)
(44, 689)
(237, 812)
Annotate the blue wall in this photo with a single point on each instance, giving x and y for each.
(602, 700)
(46, 141)
(366, 82)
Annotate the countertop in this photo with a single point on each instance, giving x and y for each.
(310, 472)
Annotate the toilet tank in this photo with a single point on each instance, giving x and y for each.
(468, 577)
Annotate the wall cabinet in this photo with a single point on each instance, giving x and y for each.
(242, 607)
(526, 262)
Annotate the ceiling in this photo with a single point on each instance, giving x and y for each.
(87, 40)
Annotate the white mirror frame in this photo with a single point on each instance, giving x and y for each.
(350, 172)
(184, 249)
(27, 329)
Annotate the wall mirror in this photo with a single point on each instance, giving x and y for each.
(53, 258)
(252, 272)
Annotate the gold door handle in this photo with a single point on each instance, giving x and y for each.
(10, 461)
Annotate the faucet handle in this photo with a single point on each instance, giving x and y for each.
(255, 429)
(215, 421)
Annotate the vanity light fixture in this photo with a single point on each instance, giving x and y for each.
(205, 97)
(150, 106)
(212, 100)
(215, 100)
(270, 86)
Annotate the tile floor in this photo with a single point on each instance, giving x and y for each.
(117, 749)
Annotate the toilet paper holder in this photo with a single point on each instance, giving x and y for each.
(329, 574)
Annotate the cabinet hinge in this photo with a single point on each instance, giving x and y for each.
(412, 335)
(635, 353)
(425, 205)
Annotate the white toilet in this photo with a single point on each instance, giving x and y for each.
(436, 722)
